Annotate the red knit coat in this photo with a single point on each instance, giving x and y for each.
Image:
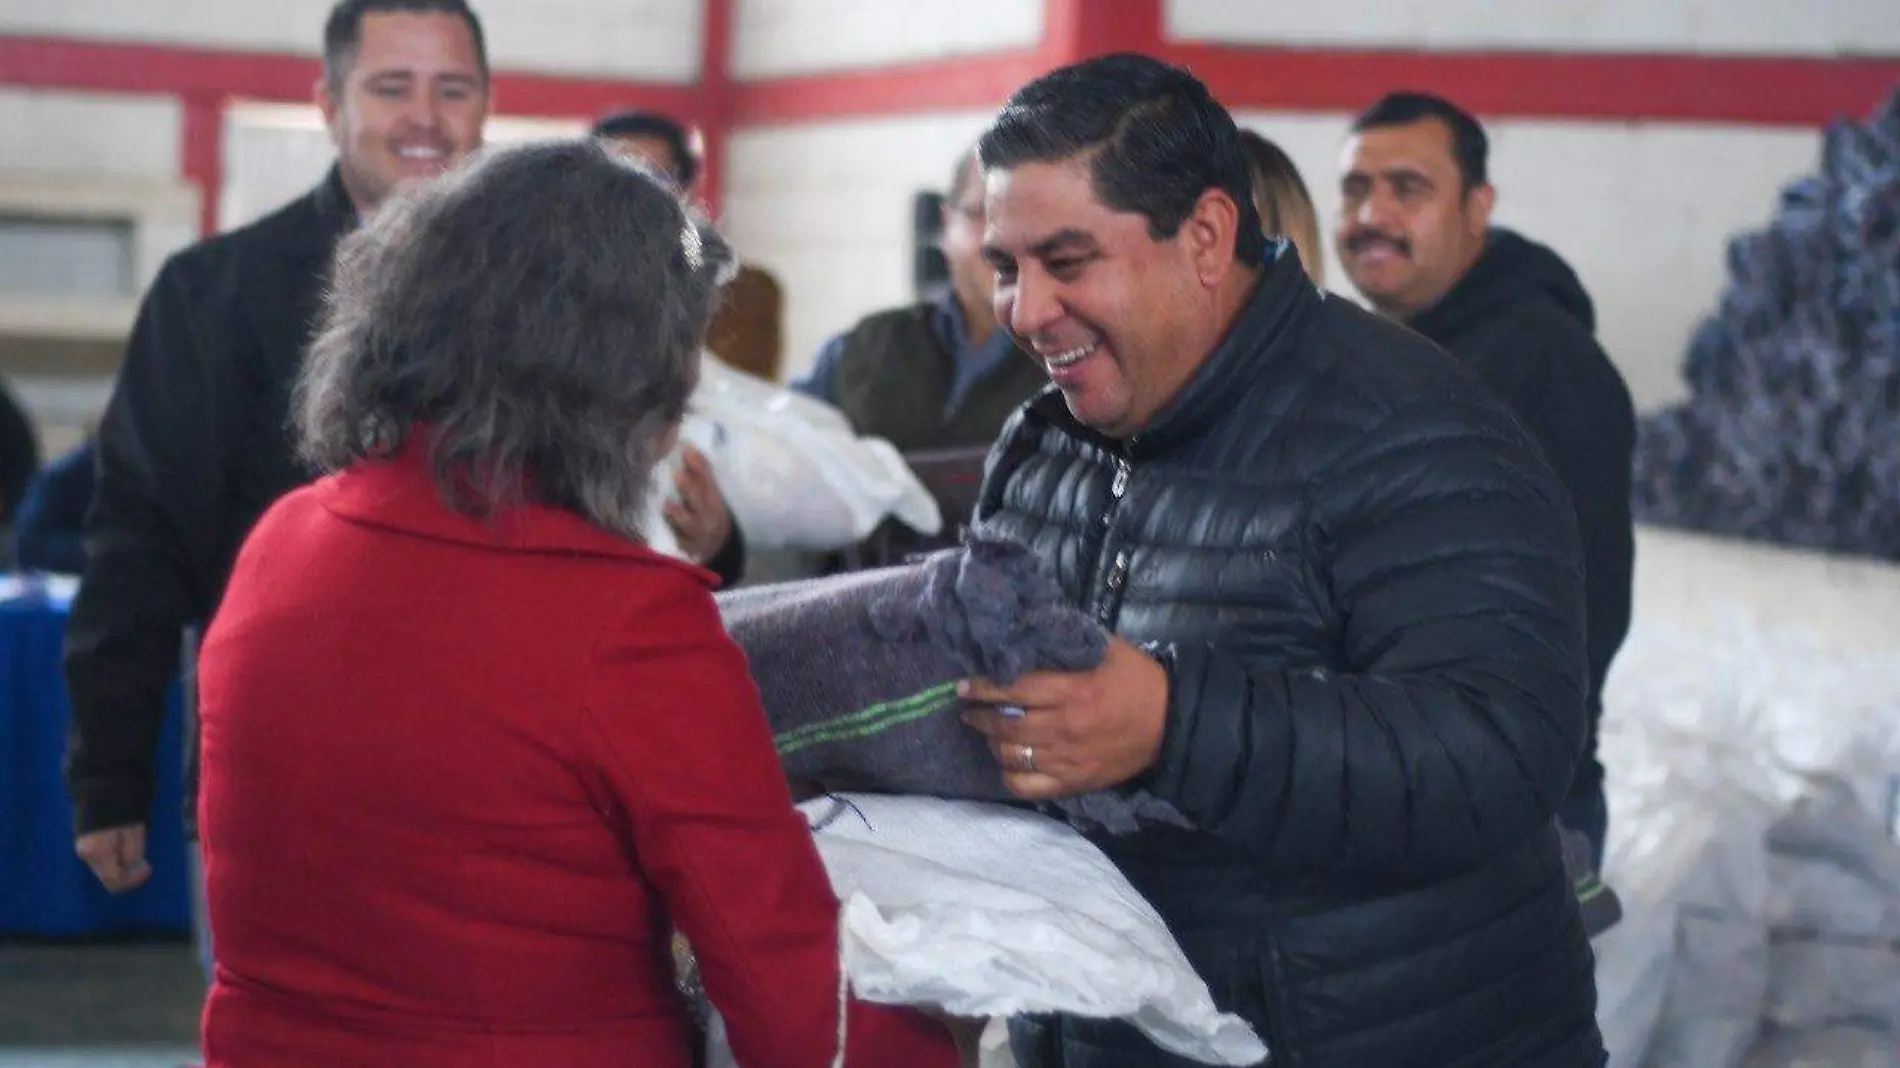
(462, 777)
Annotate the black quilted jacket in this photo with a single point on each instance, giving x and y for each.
(1365, 585)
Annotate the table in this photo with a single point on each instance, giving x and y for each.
(45, 891)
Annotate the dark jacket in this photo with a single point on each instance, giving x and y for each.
(1364, 585)
(193, 447)
(19, 454)
(1521, 320)
(893, 380)
(47, 532)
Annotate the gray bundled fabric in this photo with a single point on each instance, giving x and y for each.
(1789, 434)
(858, 672)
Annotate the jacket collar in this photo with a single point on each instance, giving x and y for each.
(1259, 337)
(399, 493)
(332, 215)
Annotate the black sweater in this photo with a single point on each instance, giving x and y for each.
(1521, 320)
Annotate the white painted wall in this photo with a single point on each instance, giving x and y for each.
(1643, 211)
(1818, 27)
(98, 134)
(90, 156)
(827, 208)
(657, 40)
(774, 37)
(1713, 586)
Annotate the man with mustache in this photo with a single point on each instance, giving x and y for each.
(1345, 596)
(194, 443)
(1415, 237)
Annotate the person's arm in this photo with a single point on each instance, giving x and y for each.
(703, 522)
(1449, 727)
(19, 454)
(53, 514)
(821, 382)
(729, 562)
(685, 751)
(1586, 425)
(152, 539)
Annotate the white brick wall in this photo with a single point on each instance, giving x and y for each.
(1821, 27)
(802, 36)
(1642, 211)
(827, 208)
(655, 40)
(95, 134)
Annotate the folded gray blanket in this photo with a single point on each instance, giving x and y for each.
(858, 675)
(858, 672)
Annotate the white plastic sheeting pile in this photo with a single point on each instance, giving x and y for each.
(793, 472)
(979, 909)
(989, 910)
(1718, 749)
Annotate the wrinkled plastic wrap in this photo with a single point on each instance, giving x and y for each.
(1711, 744)
(989, 910)
(980, 909)
(1845, 1046)
(791, 469)
(1833, 928)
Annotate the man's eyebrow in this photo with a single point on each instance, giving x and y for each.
(1066, 239)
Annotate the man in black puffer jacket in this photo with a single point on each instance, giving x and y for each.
(1348, 601)
(1415, 238)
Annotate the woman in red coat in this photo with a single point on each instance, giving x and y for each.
(471, 751)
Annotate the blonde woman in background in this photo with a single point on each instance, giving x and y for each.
(1286, 208)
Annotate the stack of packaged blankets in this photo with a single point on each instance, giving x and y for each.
(1792, 430)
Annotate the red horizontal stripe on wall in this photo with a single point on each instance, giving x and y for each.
(954, 84)
(1781, 90)
(194, 73)
(1799, 91)
(1777, 90)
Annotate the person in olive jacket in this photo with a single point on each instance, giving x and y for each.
(1347, 596)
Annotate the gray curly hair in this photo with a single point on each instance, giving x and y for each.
(537, 314)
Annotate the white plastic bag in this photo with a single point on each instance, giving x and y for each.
(987, 910)
(1682, 980)
(791, 469)
(1709, 738)
(1834, 916)
(1843, 1046)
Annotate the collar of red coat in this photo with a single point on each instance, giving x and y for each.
(399, 493)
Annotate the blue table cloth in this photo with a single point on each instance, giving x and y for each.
(45, 891)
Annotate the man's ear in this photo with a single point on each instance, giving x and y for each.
(326, 103)
(1209, 232)
(1478, 205)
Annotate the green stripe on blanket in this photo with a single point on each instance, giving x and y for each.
(868, 721)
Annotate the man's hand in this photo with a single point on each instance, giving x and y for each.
(116, 855)
(1079, 731)
(699, 518)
